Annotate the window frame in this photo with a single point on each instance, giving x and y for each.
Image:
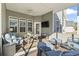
(24, 20)
(28, 26)
(12, 19)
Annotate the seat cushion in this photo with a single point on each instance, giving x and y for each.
(71, 53)
(53, 53)
(45, 48)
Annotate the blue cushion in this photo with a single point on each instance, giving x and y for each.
(53, 53)
(45, 48)
(71, 53)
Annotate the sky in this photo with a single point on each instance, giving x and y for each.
(71, 13)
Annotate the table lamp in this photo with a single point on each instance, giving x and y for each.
(11, 29)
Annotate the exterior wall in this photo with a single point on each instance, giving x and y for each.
(48, 17)
(0, 32)
(2, 23)
(3, 18)
(37, 19)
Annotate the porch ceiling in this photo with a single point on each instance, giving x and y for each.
(37, 9)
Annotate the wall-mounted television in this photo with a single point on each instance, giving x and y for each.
(45, 24)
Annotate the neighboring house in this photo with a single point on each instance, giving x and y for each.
(69, 29)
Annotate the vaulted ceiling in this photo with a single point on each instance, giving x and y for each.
(37, 9)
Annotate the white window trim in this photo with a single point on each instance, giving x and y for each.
(9, 22)
(35, 28)
(25, 23)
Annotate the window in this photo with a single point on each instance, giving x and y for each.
(29, 22)
(70, 18)
(77, 19)
(22, 25)
(58, 21)
(13, 24)
(67, 20)
(37, 28)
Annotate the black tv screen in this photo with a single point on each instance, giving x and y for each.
(45, 24)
